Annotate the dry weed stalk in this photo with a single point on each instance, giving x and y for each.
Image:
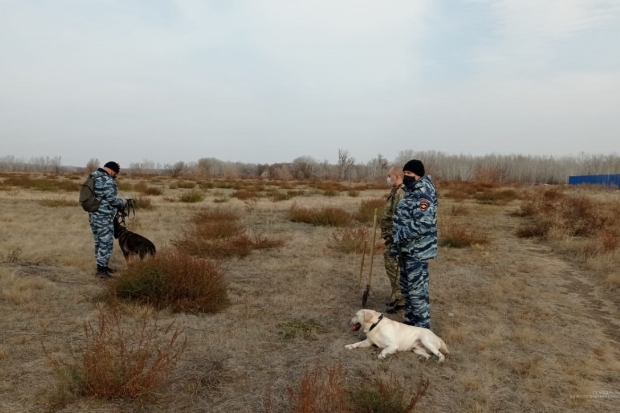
(322, 390)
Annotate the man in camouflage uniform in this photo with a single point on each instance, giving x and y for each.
(395, 178)
(415, 241)
(102, 220)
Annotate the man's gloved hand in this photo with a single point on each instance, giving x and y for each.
(130, 202)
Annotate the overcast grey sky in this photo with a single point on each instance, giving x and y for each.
(270, 80)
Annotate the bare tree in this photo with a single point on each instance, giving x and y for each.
(230, 170)
(56, 164)
(304, 167)
(176, 169)
(345, 162)
(9, 163)
(146, 166)
(377, 167)
(92, 165)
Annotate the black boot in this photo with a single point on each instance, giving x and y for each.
(103, 273)
(111, 271)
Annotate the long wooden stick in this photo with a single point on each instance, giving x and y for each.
(372, 246)
(362, 267)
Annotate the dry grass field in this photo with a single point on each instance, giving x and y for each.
(524, 292)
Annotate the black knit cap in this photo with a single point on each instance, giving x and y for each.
(113, 166)
(415, 166)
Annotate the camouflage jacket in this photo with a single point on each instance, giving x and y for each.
(106, 193)
(415, 222)
(396, 194)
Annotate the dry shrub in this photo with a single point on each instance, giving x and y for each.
(388, 396)
(174, 280)
(327, 216)
(144, 189)
(58, 201)
(186, 184)
(322, 390)
(293, 193)
(461, 190)
(12, 256)
(459, 210)
(500, 197)
(214, 215)
(456, 235)
(609, 240)
(533, 229)
(228, 185)
(276, 196)
(120, 359)
(206, 185)
(331, 192)
(353, 193)
(491, 174)
(192, 196)
(255, 188)
(243, 194)
(367, 209)
(45, 184)
(124, 186)
(328, 186)
(143, 202)
(552, 212)
(349, 240)
(217, 234)
(326, 390)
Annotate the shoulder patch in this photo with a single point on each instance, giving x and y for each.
(424, 205)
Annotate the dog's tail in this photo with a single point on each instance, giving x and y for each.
(443, 348)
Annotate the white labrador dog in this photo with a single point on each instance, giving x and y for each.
(392, 336)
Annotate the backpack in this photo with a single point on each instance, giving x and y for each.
(88, 200)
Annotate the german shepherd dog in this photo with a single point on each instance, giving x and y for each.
(131, 243)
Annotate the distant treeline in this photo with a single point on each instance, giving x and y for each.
(492, 168)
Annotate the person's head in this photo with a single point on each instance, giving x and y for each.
(413, 169)
(112, 168)
(395, 176)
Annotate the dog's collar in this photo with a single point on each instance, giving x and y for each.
(375, 324)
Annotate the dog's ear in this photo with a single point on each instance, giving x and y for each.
(367, 317)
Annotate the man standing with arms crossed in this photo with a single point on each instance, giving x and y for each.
(415, 241)
(395, 178)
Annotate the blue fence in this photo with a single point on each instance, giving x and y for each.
(607, 180)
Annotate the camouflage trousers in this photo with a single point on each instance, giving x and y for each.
(103, 231)
(414, 286)
(393, 274)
